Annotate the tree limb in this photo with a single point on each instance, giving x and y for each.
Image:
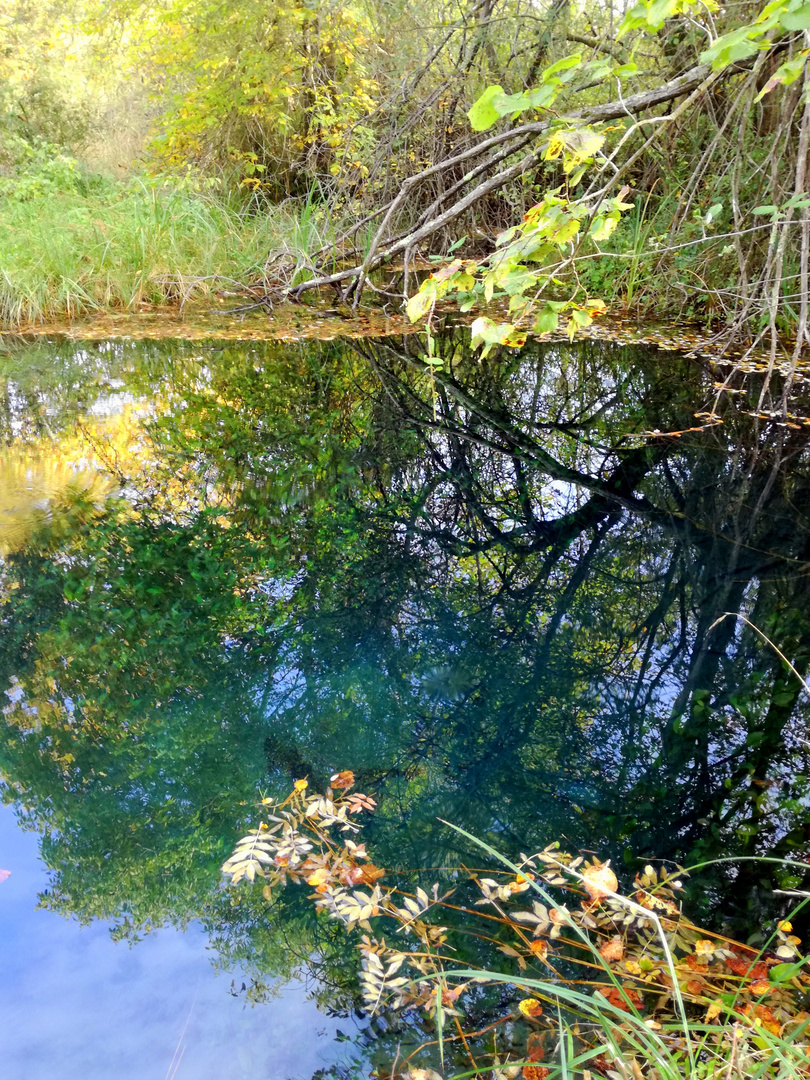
(687, 83)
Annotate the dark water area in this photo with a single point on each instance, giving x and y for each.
(495, 591)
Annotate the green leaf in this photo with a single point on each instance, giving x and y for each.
(504, 104)
(729, 48)
(486, 332)
(512, 104)
(785, 972)
(565, 64)
(575, 177)
(483, 113)
(602, 227)
(797, 17)
(546, 322)
(764, 209)
(785, 74)
(651, 15)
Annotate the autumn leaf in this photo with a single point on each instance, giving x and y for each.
(539, 948)
(450, 997)
(535, 1072)
(599, 880)
(447, 271)
(300, 785)
(747, 968)
(319, 878)
(370, 873)
(531, 1008)
(763, 1016)
(358, 802)
(621, 1000)
(352, 875)
(613, 949)
(713, 1012)
(342, 780)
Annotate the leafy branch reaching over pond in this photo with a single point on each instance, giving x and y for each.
(621, 985)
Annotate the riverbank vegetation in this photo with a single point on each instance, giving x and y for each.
(651, 156)
(97, 245)
(543, 967)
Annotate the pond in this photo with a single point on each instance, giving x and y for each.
(496, 591)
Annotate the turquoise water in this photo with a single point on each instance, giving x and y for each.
(492, 591)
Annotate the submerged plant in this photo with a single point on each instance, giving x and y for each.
(596, 982)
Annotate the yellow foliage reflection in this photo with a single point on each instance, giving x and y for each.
(40, 488)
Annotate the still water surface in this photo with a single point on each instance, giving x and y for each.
(493, 592)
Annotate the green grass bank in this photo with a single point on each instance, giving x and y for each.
(105, 245)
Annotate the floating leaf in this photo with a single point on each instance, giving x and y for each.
(612, 950)
(599, 880)
(530, 1007)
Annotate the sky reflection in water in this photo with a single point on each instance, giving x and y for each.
(76, 1004)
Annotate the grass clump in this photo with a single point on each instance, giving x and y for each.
(539, 968)
(94, 244)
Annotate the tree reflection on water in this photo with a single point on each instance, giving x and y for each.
(492, 590)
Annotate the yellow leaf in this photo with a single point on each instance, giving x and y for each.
(530, 1007)
(555, 147)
